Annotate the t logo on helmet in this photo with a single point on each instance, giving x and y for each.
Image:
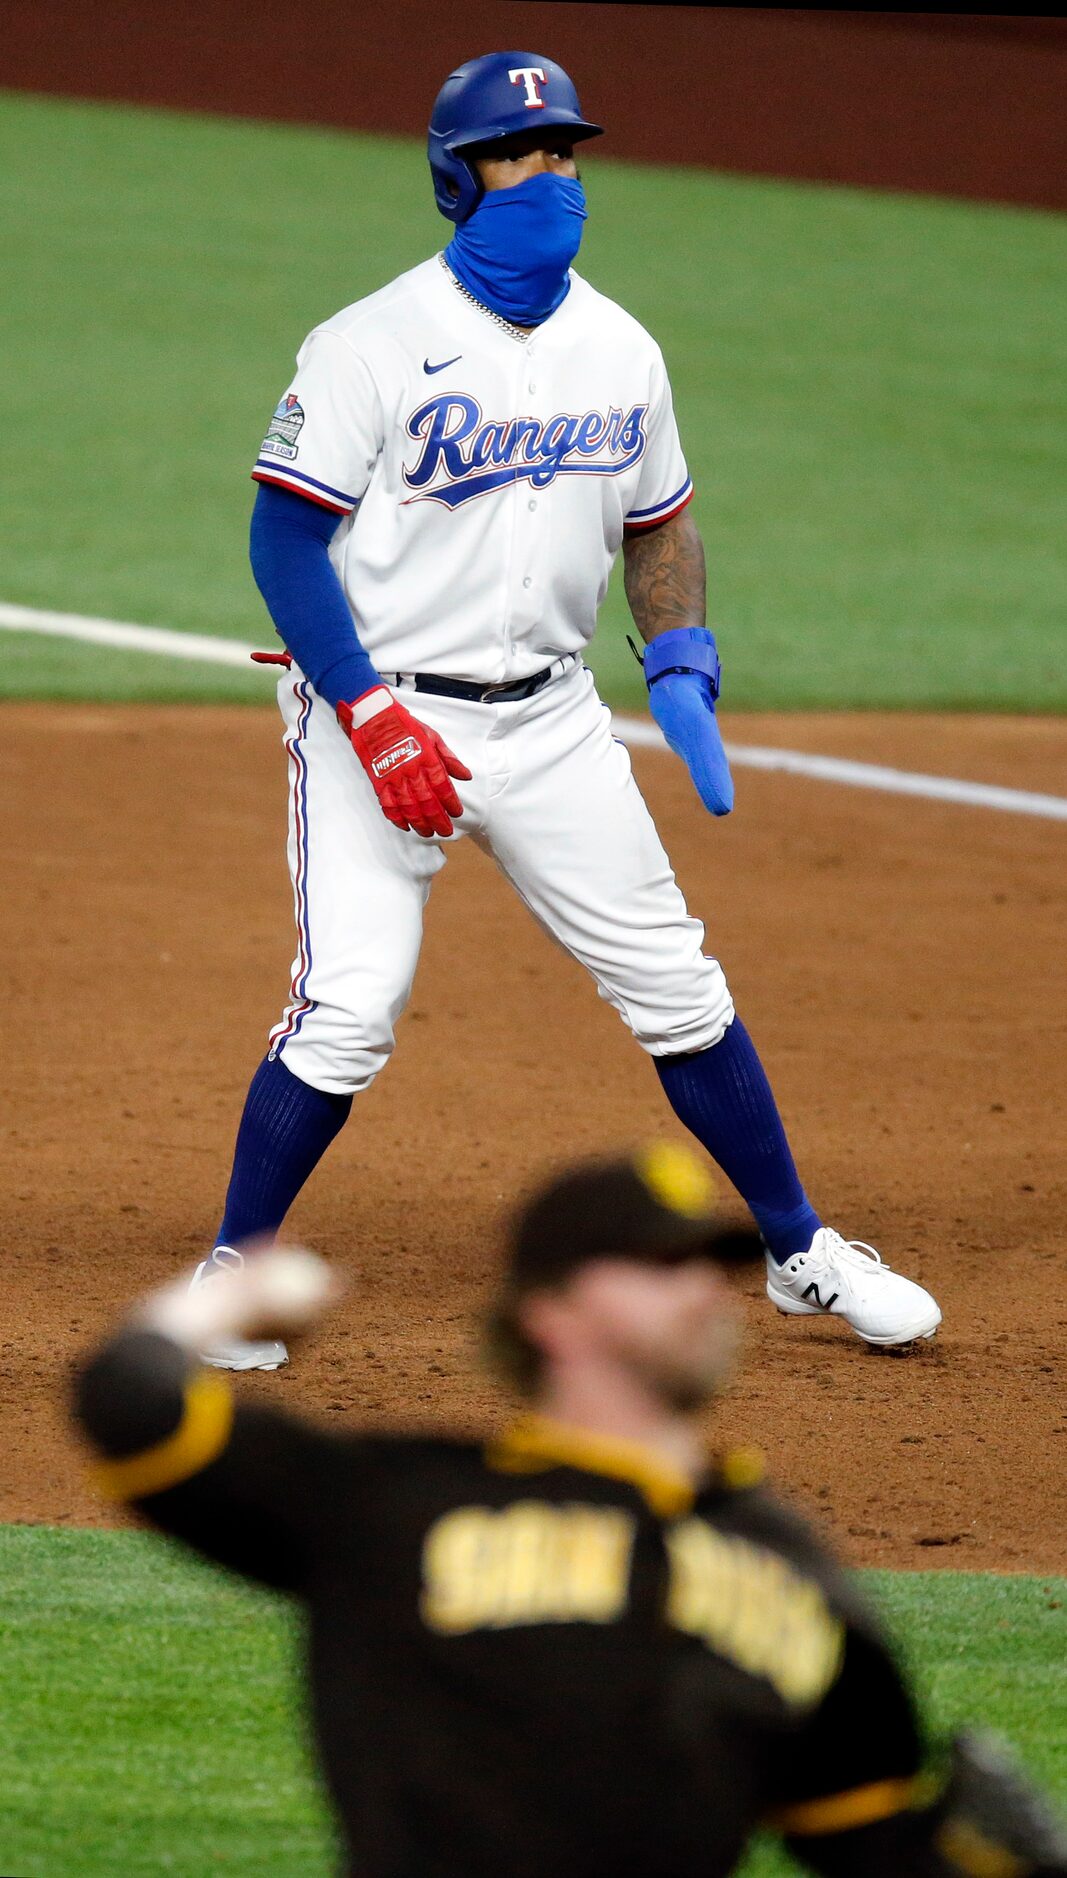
(529, 75)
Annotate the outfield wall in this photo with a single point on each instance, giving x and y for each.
(965, 104)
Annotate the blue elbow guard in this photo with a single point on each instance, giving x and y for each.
(687, 649)
(682, 672)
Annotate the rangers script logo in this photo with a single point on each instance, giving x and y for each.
(463, 457)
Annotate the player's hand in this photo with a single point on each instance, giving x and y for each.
(276, 1291)
(682, 671)
(407, 762)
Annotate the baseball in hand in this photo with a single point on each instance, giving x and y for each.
(288, 1289)
(276, 1292)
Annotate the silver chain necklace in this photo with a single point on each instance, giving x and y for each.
(513, 332)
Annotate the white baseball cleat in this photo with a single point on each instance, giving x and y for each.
(234, 1352)
(847, 1278)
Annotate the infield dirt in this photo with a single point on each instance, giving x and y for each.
(900, 964)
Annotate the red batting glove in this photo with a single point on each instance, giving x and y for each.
(408, 763)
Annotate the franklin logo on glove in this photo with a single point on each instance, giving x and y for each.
(400, 753)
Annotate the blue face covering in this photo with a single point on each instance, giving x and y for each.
(513, 254)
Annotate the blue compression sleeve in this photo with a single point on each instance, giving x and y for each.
(289, 550)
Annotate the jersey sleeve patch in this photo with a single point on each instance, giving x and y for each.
(328, 430)
(658, 512)
(285, 427)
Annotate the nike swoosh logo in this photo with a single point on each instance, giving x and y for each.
(430, 369)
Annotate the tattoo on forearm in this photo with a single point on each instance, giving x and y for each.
(664, 577)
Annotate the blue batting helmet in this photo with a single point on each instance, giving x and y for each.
(495, 96)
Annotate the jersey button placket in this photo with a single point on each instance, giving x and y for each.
(527, 529)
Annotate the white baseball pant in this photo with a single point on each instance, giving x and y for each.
(554, 801)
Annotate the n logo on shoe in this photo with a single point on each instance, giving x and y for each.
(812, 1291)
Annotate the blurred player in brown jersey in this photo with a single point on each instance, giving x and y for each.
(588, 1648)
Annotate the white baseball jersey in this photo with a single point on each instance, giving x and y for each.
(487, 475)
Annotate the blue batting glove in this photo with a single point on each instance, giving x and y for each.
(682, 672)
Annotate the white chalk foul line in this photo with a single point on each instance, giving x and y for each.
(898, 782)
(637, 731)
(113, 632)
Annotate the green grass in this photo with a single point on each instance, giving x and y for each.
(871, 391)
(149, 1707)
(32, 667)
(147, 1716)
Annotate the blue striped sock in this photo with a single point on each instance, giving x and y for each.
(285, 1130)
(723, 1097)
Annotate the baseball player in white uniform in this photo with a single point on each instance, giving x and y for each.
(443, 490)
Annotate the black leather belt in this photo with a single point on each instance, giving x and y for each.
(477, 694)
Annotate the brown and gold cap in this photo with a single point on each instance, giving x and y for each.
(657, 1206)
